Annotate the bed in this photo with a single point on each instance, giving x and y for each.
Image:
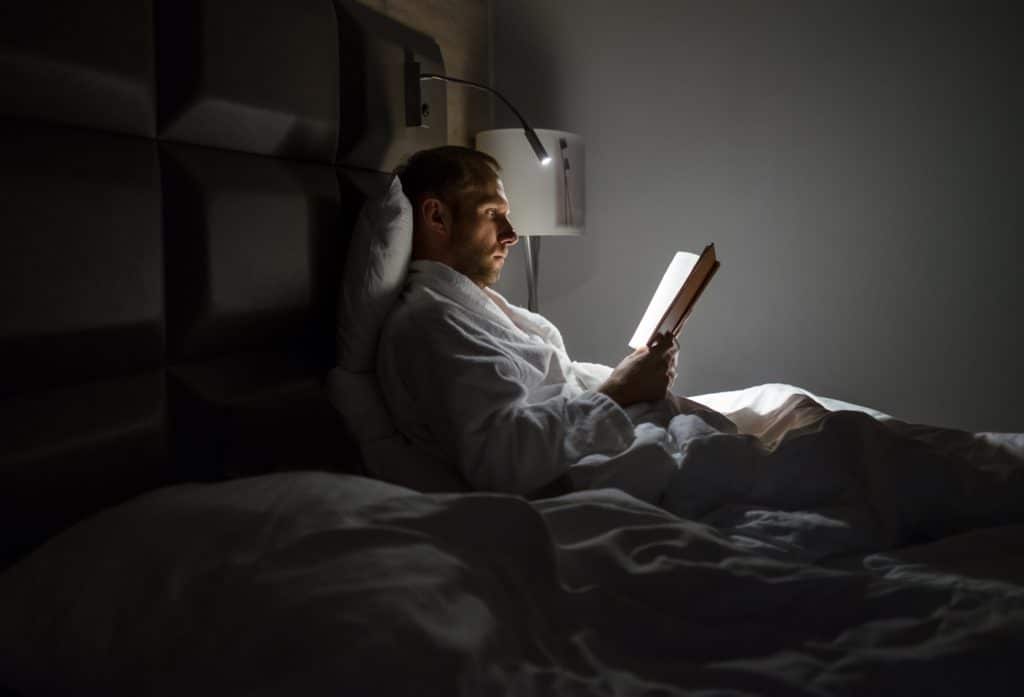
(184, 512)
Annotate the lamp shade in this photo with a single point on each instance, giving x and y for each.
(544, 199)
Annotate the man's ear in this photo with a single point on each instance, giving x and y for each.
(436, 217)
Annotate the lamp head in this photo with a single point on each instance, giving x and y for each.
(538, 148)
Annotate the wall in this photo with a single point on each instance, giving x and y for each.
(461, 29)
(858, 169)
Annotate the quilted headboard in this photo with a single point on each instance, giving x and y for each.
(175, 213)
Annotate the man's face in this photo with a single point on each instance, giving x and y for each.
(482, 235)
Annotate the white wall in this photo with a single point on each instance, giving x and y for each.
(858, 169)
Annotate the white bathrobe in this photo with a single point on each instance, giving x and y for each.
(488, 386)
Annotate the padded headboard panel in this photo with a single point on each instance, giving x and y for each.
(173, 226)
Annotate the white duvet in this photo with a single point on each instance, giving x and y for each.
(802, 481)
(318, 584)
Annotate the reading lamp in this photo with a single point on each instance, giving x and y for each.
(416, 110)
(545, 200)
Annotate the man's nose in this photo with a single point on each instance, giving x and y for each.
(508, 235)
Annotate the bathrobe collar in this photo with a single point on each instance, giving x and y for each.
(457, 287)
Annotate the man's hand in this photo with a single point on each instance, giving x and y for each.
(645, 374)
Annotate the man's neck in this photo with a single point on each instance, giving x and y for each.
(438, 259)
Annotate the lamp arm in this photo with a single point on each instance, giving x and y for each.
(531, 136)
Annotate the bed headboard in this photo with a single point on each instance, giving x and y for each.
(175, 212)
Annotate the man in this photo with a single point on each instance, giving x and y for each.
(488, 386)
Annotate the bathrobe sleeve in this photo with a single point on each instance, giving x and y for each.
(478, 400)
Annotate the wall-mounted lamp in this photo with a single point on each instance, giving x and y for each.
(417, 112)
(545, 201)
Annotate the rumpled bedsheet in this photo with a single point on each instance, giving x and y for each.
(319, 584)
(810, 478)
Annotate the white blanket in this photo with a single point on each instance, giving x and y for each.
(803, 482)
(316, 584)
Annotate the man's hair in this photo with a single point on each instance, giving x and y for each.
(448, 172)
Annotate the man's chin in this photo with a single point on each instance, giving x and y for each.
(486, 280)
(484, 277)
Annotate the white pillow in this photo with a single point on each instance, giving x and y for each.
(378, 257)
(387, 454)
(358, 398)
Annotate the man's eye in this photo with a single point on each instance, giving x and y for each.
(492, 212)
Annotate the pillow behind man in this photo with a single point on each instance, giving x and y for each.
(375, 269)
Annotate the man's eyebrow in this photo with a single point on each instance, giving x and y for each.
(491, 201)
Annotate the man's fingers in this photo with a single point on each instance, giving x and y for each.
(663, 342)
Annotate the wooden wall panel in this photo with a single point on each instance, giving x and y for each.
(461, 29)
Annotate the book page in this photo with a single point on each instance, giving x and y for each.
(679, 268)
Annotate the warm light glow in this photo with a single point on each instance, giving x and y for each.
(546, 161)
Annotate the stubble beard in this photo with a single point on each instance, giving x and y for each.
(482, 270)
(480, 265)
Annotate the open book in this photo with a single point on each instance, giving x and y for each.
(680, 288)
